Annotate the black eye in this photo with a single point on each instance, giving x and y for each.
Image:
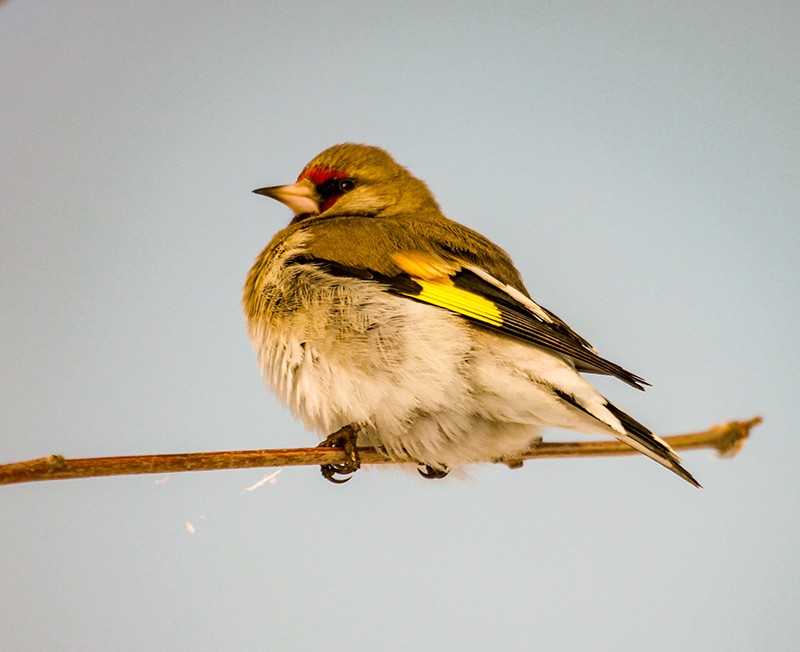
(335, 187)
(345, 185)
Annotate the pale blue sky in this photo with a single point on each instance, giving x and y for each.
(639, 161)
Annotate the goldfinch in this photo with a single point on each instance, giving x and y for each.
(381, 322)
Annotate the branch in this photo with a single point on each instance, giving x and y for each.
(726, 439)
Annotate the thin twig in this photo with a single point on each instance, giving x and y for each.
(727, 439)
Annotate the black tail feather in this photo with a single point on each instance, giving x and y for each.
(644, 436)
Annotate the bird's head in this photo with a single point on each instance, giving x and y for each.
(353, 180)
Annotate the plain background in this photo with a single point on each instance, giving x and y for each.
(638, 160)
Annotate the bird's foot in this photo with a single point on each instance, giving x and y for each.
(517, 462)
(429, 473)
(344, 438)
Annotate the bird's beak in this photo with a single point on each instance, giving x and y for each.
(300, 197)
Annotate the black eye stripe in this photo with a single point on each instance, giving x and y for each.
(335, 187)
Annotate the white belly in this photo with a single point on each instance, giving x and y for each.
(428, 384)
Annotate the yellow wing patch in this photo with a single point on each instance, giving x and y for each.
(433, 275)
(423, 265)
(446, 295)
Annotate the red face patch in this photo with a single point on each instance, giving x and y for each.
(318, 176)
(323, 179)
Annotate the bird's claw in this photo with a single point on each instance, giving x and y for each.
(429, 473)
(344, 438)
(329, 472)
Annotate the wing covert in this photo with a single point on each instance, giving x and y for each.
(480, 298)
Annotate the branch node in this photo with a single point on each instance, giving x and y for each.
(733, 436)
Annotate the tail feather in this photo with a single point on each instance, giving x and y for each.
(642, 439)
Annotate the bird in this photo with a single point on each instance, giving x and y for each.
(381, 322)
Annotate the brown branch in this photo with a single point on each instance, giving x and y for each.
(726, 439)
